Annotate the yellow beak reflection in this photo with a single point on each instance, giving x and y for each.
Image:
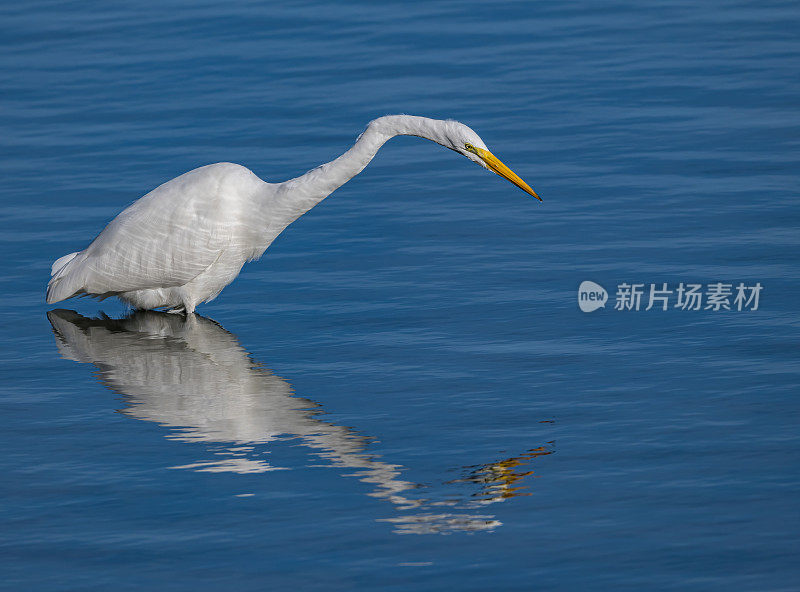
(498, 167)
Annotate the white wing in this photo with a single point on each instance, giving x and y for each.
(166, 238)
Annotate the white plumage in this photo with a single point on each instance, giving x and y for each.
(183, 242)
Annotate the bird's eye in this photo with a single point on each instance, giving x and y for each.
(469, 147)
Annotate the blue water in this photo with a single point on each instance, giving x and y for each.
(403, 393)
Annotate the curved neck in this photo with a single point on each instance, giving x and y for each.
(296, 196)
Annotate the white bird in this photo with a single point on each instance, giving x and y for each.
(183, 242)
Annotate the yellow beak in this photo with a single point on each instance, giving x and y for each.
(498, 167)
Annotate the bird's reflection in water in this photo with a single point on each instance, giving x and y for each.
(503, 479)
(192, 376)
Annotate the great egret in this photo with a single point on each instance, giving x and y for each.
(183, 242)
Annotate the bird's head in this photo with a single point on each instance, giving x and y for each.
(465, 141)
(450, 134)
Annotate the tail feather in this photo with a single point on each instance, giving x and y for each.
(60, 287)
(61, 262)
